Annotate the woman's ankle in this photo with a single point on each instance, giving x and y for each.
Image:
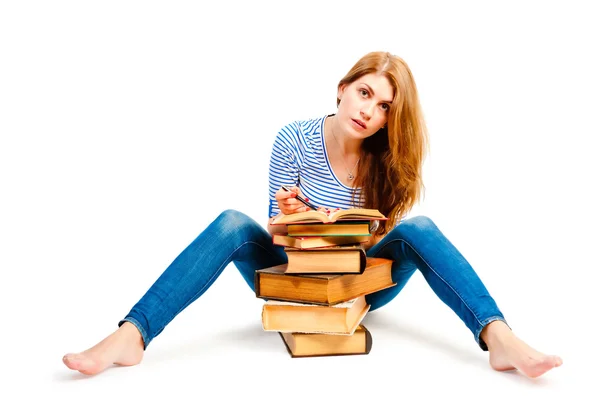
(131, 333)
(495, 332)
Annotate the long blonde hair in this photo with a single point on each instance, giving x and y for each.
(391, 160)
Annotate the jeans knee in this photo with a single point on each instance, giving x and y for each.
(231, 215)
(231, 226)
(237, 221)
(421, 222)
(415, 225)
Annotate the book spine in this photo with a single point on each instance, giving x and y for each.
(368, 346)
(368, 340)
(257, 285)
(363, 260)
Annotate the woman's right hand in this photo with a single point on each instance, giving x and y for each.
(287, 202)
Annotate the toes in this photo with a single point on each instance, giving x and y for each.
(80, 363)
(558, 362)
(70, 360)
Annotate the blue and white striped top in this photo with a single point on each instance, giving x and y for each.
(299, 158)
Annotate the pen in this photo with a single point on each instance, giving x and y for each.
(311, 206)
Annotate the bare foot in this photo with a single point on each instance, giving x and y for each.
(508, 352)
(124, 347)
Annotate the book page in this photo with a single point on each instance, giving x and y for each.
(359, 213)
(314, 216)
(321, 216)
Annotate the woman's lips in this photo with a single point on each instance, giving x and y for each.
(360, 124)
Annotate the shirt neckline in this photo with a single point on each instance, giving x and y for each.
(327, 155)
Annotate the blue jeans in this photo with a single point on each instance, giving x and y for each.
(414, 244)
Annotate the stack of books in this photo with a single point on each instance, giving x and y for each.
(316, 301)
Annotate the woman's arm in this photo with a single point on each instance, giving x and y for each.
(278, 229)
(287, 203)
(372, 241)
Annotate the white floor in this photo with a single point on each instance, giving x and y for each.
(218, 347)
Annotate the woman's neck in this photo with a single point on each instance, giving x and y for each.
(335, 136)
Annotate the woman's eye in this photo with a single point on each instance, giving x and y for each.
(363, 92)
(385, 107)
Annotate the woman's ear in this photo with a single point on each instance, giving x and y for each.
(341, 88)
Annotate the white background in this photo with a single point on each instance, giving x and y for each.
(126, 127)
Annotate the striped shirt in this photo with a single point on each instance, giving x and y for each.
(299, 158)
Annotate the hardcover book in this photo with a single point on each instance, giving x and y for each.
(316, 241)
(323, 289)
(309, 345)
(342, 318)
(339, 259)
(329, 229)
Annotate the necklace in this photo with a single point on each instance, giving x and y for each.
(350, 175)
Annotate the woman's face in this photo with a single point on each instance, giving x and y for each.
(364, 105)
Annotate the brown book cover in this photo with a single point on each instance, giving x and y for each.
(322, 289)
(337, 260)
(329, 229)
(342, 318)
(316, 241)
(314, 345)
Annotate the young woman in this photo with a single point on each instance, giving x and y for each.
(369, 154)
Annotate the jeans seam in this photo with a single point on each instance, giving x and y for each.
(436, 273)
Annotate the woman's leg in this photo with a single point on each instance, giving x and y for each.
(230, 237)
(417, 243)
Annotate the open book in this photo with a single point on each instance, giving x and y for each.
(319, 216)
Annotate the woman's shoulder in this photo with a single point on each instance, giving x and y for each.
(304, 127)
